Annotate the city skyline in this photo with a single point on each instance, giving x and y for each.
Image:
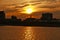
(45, 20)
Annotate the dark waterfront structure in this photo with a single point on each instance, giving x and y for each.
(13, 21)
(2, 15)
(46, 20)
(47, 16)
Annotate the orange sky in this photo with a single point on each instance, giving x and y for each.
(14, 7)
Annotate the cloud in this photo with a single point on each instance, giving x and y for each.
(48, 5)
(37, 3)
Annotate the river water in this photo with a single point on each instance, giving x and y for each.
(29, 33)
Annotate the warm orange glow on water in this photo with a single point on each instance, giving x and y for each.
(28, 33)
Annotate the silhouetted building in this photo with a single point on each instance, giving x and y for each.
(47, 16)
(30, 20)
(15, 21)
(2, 15)
(2, 18)
(13, 17)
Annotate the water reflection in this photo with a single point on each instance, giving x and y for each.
(28, 33)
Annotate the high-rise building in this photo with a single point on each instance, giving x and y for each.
(47, 16)
(2, 15)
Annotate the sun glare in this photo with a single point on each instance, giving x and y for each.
(28, 9)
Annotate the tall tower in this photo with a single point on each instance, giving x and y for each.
(2, 15)
(47, 16)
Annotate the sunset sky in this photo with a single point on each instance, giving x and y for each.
(15, 7)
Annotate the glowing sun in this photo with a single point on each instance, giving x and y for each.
(28, 9)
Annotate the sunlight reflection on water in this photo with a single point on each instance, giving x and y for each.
(29, 33)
